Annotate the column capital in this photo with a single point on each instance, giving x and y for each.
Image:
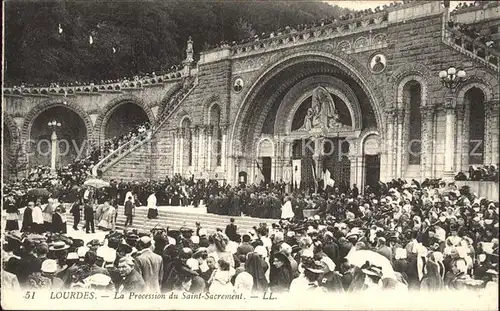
(460, 109)
(400, 112)
(428, 111)
(449, 103)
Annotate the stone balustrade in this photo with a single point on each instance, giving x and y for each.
(138, 141)
(336, 29)
(114, 87)
(483, 189)
(465, 44)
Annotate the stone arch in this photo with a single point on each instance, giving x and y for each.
(261, 140)
(168, 96)
(38, 109)
(401, 85)
(212, 100)
(185, 118)
(475, 83)
(410, 71)
(363, 137)
(342, 90)
(349, 65)
(108, 110)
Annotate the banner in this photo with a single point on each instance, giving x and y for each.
(259, 175)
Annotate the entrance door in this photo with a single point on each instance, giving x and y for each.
(372, 169)
(266, 169)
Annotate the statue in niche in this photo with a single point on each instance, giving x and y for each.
(322, 113)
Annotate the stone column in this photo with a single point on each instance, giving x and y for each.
(176, 150)
(209, 131)
(399, 142)
(494, 131)
(449, 153)
(223, 147)
(181, 151)
(428, 144)
(201, 146)
(389, 147)
(318, 151)
(460, 111)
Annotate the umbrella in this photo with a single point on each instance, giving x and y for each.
(38, 192)
(359, 258)
(96, 183)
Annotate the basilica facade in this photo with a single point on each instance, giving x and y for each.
(356, 101)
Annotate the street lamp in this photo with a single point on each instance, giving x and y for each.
(53, 125)
(451, 78)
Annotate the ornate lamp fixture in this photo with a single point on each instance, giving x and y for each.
(451, 78)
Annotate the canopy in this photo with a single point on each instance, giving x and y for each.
(96, 183)
(359, 258)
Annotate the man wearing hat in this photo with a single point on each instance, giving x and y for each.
(185, 238)
(149, 265)
(131, 280)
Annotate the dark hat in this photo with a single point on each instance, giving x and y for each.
(94, 242)
(281, 256)
(185, 230)
(186, 271)
(314, 267)
(173, 233)
(124, 248)
(77, 243)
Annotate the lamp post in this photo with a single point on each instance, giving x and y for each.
(53, 125)
(450, 79)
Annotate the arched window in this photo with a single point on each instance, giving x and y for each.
(188, 142)
(475, 99)
(412, 97)
(214, 121)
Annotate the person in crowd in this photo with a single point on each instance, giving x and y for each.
(129, 210)
(88, 211)
(106, 217)
(132, 280)
(152, 208)
(284, 274)
(76, 209)
(48, 214)
(27, 225)
(231, 230)
(149, 265)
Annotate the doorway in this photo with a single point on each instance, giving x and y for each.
(266, 169)
(372, 170)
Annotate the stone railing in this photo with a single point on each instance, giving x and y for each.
(114, 87)
(336, 29)
(138, 141)
(475, 49)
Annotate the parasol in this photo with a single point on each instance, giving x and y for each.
(359, 258)
(96, 183)
(39, 192)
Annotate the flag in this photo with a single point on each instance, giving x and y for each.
(60, 29)
(327, 180)
(313, 164)
(91, 40)
(259, 176)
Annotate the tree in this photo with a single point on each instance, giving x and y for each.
(243, 29)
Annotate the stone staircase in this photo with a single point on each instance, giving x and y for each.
(174, 219)
(464, 44)
(137, 151)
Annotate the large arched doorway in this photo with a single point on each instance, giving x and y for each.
(474, 100)
(123, 119)
(71, 137)
(279, 104)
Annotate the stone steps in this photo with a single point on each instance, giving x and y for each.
(177, 219)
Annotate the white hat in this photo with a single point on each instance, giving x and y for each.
(307, 253)
(98, 279)
(49, 266)
(203, 232)
(72, 256)
(193, 264)
(82, 250)
(328, 263)
(145, 239)
(261, 250)
(195, 239)
(400, 253)
(482, 257)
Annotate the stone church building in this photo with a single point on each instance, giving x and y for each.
(361, 98)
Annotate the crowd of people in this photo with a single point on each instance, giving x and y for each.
(485, 173)
(479, 34)
(162, 74)
(403, 236)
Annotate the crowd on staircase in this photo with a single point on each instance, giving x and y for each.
(480, 34)
(476, 173)
(403, 236)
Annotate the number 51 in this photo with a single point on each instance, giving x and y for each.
(29, 295)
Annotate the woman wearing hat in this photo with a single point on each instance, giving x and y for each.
(46, 279)
(283, 275)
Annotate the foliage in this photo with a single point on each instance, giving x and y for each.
(130, 37)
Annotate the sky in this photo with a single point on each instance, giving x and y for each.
(366, 4)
